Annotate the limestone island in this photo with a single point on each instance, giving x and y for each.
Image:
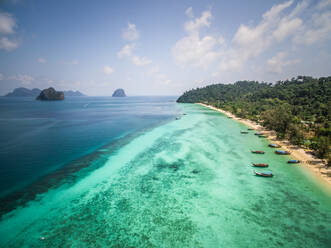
(24, 92)
(119, 93)
(50, 94)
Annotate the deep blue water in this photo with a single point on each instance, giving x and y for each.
(38, 138)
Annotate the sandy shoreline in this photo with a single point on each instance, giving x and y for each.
(315, 165)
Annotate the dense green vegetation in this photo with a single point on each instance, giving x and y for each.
(298, 109)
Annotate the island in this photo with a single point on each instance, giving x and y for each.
(71, 93)
(294, 114)
(50, 94)
(119, 93)
(24, 92)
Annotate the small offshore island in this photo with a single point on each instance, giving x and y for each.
(119, 93)
(50, 94)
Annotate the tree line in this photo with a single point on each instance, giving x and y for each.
(298, 109)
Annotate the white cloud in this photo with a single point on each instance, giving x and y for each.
(23, 79)
(286, 28)
(277, 63)
(221, 41)
(108, 69)
(126, 51)
(141, 61)
(195, 51)
(189, 12)
(130, 33)
(317, 30)
(7, 23)
(275, 10)
(41, 60)
(251, 41)
(7, 44)
(198, 23)
(254, 40)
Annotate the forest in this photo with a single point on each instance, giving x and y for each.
(298, 109)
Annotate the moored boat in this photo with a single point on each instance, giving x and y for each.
(264, 174)
(293, 161)
(243, 132)
(281, 152)
(260, 165)
(258, 152)
(274, 145)
(258, 133)
(250, 129)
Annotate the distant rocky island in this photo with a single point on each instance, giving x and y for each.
(24, 92)
(119, 93)
(50, 94)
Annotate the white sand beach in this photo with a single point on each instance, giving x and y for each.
(315, 165)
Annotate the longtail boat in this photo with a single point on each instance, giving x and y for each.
(280, 152)
(258, 133)
(258, 152)
(243, 132)
(260, 165)
(250, 129)
(293, 161)
(274, 145)
(264, 174)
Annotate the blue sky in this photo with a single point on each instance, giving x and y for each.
(160, 47)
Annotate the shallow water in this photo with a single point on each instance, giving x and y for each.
(186, 183)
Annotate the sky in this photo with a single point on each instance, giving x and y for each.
(160, 47)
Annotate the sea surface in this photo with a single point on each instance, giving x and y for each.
(147, 172)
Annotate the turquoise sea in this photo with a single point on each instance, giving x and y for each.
(147, 172)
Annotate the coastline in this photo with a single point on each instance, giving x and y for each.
(314, 165)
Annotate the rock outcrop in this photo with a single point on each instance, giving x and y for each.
(50, 94)
(119, 93)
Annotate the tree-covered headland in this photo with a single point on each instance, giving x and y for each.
(298, 109)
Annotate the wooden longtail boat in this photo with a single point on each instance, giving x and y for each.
(293, 161)
(258, 152)
(274, 145)
(260, 165)
(264, 174)
(243, 132)
(280, 152)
